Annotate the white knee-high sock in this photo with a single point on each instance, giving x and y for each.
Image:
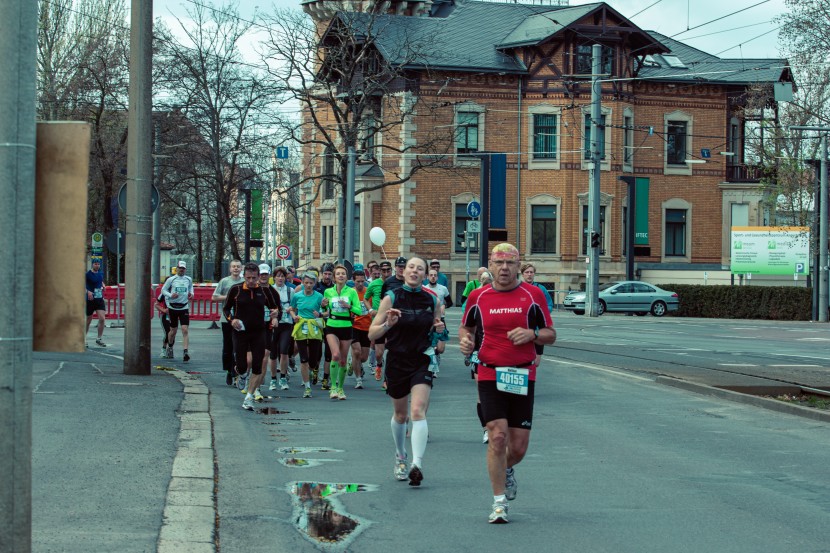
(420, 433)
(399, 435)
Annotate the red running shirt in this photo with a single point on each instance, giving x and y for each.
(496, 313)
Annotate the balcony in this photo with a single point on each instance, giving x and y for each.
(744, 173)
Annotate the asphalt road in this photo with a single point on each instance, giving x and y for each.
(617, 462)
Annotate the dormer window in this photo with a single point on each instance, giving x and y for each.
(673, 61)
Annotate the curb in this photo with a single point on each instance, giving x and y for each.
(189, 519)
(771, 404)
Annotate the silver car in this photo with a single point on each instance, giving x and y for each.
(628, 296)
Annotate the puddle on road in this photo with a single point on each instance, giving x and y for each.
(320, 517)
(297, 462)
(270, 411)
(291, 422)
(295, 450)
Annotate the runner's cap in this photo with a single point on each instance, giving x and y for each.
(400, 262)
(182, 264)
(264, 269)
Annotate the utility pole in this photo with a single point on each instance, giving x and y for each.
(18, 51)
(139, 178)
(593, 236)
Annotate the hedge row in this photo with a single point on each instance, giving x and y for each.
(784, 303)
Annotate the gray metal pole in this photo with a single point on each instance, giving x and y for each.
(139, 176)
(349, 210)
(18, 44)
(822, 236)
(592, 284)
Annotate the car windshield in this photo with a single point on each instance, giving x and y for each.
(607, 285)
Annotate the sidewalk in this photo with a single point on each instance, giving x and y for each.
(105, 445)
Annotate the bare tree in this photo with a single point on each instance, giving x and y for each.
(229, 103)
(351, 92)
(82, 74)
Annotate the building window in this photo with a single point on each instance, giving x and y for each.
(461, 219)
(328, 174)
(543, 229)
(584, 55)
(676, 143)
(601, 129)
(586, 239)
(675, 233)
(545, 136)
(369, 131)
(324, 244)
(466, 132)
(628, 142)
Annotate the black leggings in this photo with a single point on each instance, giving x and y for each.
(227, 347)
(165, 324)
(310, 351)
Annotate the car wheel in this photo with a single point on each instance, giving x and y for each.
(642, 313)
(600, 308)
(578, 312)
(658, 309)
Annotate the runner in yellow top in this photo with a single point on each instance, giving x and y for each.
(342, 302)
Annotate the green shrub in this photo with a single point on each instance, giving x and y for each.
(784, 303)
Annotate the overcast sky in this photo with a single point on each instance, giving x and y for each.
(752, 33)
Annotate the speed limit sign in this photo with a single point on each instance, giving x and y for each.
(283, 251)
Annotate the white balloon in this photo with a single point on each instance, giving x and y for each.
(377, 236)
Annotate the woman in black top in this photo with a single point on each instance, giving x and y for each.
(407, 317)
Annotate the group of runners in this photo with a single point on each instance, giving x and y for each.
(323, 316)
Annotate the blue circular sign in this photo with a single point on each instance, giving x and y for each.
(474, 209)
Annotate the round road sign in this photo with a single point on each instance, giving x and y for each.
(283, 251)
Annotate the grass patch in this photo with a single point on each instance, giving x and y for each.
(806, 400)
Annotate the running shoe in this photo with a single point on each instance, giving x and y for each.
(378, 372)
(283, 384)
(170, 352)
(273, 384)
(325, 384)
(333, 394)
(242, 383)
(257, 396)
(486, 438)
(100, 342)
(293, 364)
(510, 485)
(349, 371)
(341, 394)
(415, 476)
(313, 377)
(400, 469)
(307, 393)
(248, 404)
(163, 351)
(358, 385)
(186, 357)
(499, 514)
(228, 378)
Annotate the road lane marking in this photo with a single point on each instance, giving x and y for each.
(736, 365)
(598, 368)
(795, 366)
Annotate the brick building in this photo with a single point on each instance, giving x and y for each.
(515, 78)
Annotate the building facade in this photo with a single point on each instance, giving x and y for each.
(516, 79)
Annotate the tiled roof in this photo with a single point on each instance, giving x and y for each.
(475, 35)
(701, 66)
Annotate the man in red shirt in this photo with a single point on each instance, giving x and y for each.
(512, 316)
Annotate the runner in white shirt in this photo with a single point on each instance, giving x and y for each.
(177, 292)
(444, 300)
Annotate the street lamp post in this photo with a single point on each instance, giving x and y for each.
(822, 281)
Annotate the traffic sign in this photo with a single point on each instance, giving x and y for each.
(474, 209)
(283, 251)
(282, 152)
(97, 240)
(474, 227)
(115, 242)
(122, 198)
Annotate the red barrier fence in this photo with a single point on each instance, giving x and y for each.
(201, 306)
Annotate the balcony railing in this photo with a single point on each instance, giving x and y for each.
(744, 173)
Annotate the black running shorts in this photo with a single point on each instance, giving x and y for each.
(405, 370)
(518, 410)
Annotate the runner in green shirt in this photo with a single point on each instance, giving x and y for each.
(342, 302)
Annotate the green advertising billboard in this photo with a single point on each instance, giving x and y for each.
(770, 250)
